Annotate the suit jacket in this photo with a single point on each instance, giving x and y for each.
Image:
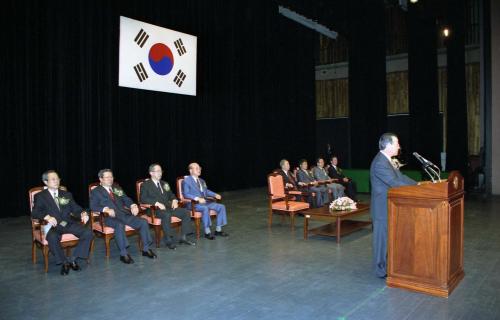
(44, 204)
(320, 174)
(305, 176)
(100, 198)
(150, 193)
(190, 188)
(336, 173)
(382, 177)
(288, 178)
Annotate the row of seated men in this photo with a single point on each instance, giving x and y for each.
(319, 181)
(58, 208)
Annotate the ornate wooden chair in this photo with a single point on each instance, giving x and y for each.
(101, 230)
(282, 201)
(68, 240)
(196, 215)
(296, 194)
(152, 220)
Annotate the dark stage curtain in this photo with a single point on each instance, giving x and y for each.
(425, 126)
(62, 108)
(457, 141)
(367, 80)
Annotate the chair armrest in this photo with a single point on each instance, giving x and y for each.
(37, 226)
(211, 199)
(38, 222)
(144, 206)
(184, 202)
(193, 202)
(297, 193)
(101, 216)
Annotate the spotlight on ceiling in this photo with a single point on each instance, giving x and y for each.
(446, 32)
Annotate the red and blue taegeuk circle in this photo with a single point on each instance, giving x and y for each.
(161, 59)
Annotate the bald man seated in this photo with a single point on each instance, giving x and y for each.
(195, 188)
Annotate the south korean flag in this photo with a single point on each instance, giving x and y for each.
(156, 58)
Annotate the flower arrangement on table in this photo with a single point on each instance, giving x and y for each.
(343, 203)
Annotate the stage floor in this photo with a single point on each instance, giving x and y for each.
(256, 273)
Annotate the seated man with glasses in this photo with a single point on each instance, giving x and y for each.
(63, 214)
(195, 188)
(121, 210)
(157, 192)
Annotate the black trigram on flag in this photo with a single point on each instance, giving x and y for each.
(180, 46)
(179, 78)
(141, 38)
(140, 72)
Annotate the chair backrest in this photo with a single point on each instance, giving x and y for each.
(92, 186)
(179, 181)
(138, 185)
(276, 185)
(31, 195)
(33, 191)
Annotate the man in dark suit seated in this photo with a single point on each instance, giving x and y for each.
(120, 210)
(291, 183)
(321, 175)
(195, 188)
(335, 172)
(63, 215)
(305, 177)
(384, 174)
(158, 193)
(288, 178)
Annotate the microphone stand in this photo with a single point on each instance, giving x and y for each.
(433, 174)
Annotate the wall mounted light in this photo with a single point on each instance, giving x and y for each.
(446, 32)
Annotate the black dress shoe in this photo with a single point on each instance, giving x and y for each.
(221, 234)
(150, 254)
(126, 259)
(75, 266)
(171, 246)
(186, 241)
(209, 236)
(65, 269)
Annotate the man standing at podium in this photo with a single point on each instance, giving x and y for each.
(384, 174)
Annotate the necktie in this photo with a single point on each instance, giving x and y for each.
(159, 187)
(111, 195)
(199, 184)
(56, 200)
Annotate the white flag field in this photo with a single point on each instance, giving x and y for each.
(156, 58)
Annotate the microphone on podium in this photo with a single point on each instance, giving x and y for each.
(429, 168)
(422, 160)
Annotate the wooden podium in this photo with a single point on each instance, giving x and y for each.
(426, 237)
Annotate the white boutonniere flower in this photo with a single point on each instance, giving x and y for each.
(396, 163)
(166, 187)
(62, 201)
(118, 192)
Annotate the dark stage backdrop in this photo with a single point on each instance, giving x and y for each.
(62, 109)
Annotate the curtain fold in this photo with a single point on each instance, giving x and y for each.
(62, 108)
